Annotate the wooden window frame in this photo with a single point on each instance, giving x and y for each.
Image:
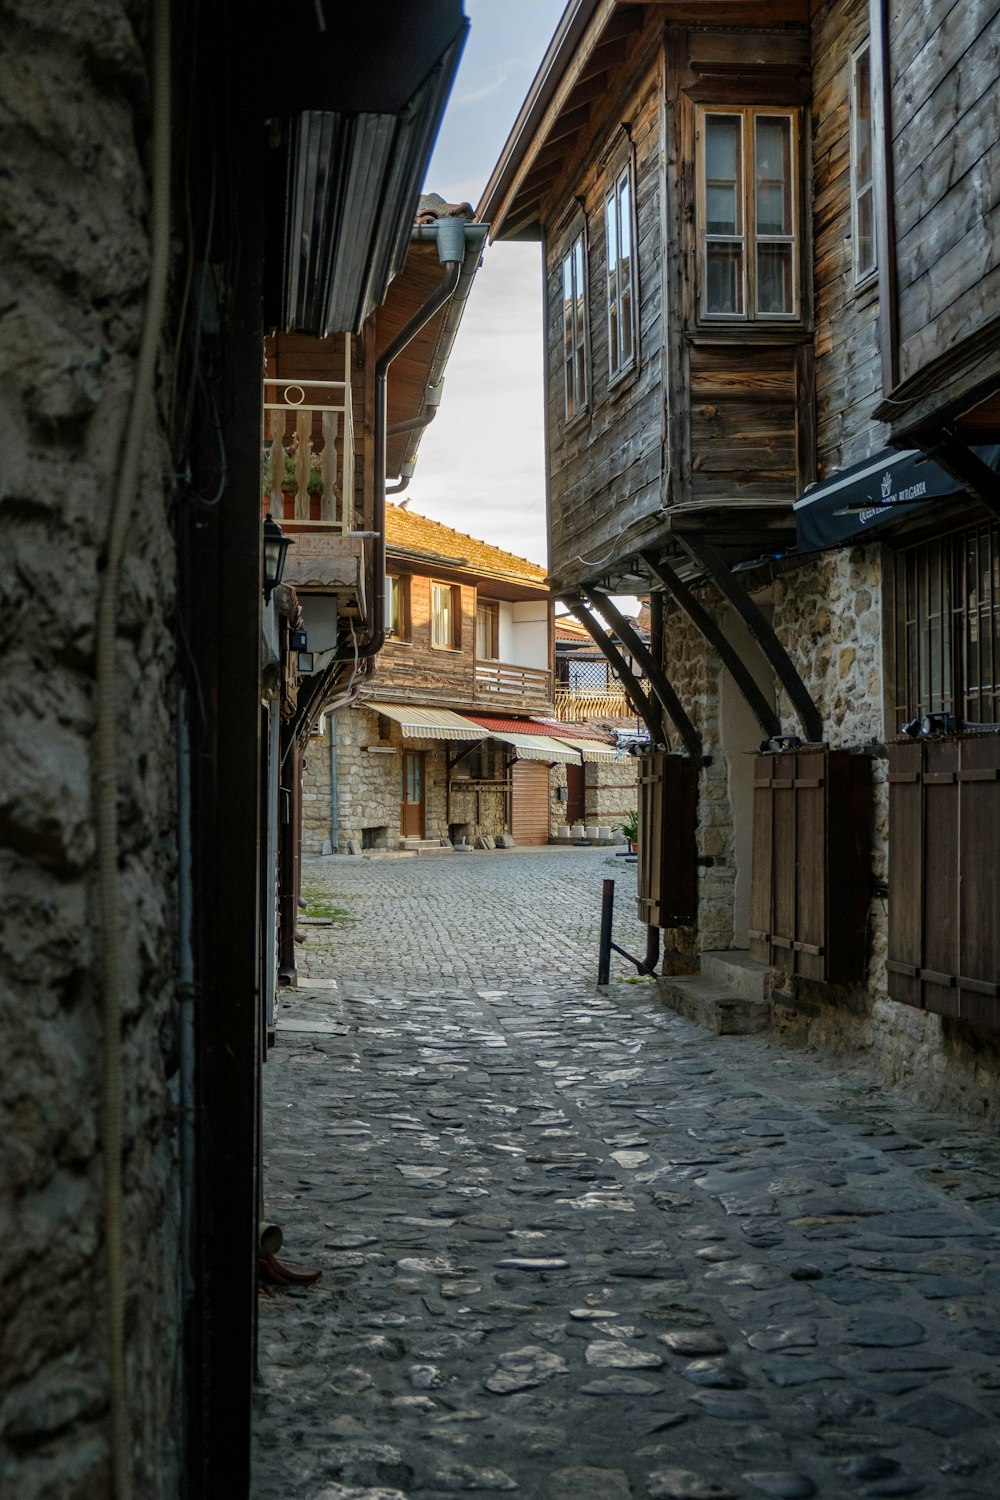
(964, 618)
(748, 239)
(397, 602)
(864, 275)
(455, 643)
(492, 606)
(574, 339)
(620, 363)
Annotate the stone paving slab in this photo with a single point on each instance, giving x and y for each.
(575, 1248)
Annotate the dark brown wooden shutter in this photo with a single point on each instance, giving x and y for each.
(944, 844)
(668, 859)
(529, 817)
(811, 883)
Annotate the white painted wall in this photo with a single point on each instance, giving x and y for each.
(530, 632)
(506, 642)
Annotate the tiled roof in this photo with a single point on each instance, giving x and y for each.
(408, 531)
(550, 727)
(570, 629)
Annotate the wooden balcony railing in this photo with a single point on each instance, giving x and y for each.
(573, 704)
(331, 473)
(499, 683)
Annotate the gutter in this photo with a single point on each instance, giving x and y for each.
(459, 247)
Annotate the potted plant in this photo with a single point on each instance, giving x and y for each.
(630, 828)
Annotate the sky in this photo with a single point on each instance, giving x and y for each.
(481, 466)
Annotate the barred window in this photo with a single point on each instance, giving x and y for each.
(946, 644)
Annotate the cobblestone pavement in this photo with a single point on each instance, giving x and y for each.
(575, 1248)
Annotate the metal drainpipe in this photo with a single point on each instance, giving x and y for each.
(451, 252)
(334, 797)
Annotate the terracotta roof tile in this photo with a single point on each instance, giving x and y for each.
(408, 531)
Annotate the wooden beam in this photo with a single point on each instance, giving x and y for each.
(704, 553)
(655, 674)
(646, 709)
(953, 454)
(696, 612)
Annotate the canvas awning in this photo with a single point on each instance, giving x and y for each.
(428, 723)
(589, 749)
(536, 746)
(865, 498)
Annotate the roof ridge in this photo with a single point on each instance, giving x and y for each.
(415, 519)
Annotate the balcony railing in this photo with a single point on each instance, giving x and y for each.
(332, 478)
(500, 683)
(574, 704)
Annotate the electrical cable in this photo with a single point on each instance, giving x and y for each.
(106, 748)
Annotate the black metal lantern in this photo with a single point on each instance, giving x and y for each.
(276, 545)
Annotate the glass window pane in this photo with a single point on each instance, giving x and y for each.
(625, 216)
(865, 229)
(625, 326)
(723, 175)
(724, 293)
(775, 291)
(863, 119)
(610, 220)
(774, 174)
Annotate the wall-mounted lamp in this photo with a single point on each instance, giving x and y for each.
(305, 663)
(276, 545)
(298, 640)
(780, 742)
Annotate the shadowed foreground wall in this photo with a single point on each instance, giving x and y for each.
(73, 263)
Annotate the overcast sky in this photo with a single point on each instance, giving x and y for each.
(481, 464)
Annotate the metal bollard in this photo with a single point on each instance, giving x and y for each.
(607, 920)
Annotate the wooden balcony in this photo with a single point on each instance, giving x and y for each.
(576, 704)
(500, 685)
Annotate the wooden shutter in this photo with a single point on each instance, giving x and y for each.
(944, 843)
(529, 818)
(811, 883)
(668, 860)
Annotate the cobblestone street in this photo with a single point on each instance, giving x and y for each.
(574, 1247)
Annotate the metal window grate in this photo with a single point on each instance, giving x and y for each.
(946, 641)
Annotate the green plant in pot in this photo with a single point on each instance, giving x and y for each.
(630, 828)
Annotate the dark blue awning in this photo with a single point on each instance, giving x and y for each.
(860, 500)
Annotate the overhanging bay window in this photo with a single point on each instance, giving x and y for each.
(748, 213)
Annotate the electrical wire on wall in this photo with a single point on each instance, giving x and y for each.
(106, 747)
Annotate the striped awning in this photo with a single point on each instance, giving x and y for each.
(428, 723)
(536, 746)
(589, 749)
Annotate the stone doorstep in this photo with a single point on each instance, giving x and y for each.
(713, 1006)
(735, 970)
(425, 846)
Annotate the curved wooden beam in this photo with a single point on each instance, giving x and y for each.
(655, 674)
(705, 553)
(696, 612)
(646, 709)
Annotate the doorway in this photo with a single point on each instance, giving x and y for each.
(411, 811)
(576, 809)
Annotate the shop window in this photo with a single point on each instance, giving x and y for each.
(946, 635)
(621, 273)
(576, 371)
(748, 213)
(446, 616)
(862, 172)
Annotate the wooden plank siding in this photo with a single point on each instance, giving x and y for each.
(605, 469)
(945, 92)
(848, 365)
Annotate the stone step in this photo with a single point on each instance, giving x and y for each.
(712, 1005)
(425, 846)
(733, 969)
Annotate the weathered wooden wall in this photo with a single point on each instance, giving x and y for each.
(417, 672)
(605, 469)
(945, 99)
(848, 367)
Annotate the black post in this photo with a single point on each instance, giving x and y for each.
(607, 918)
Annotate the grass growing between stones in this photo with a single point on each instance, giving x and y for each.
(321, 906)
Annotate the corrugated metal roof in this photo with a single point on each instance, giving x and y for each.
(537, 747)
(588, 748)
(428, 723)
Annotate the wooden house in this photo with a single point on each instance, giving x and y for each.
(454, 740)
(773, 400)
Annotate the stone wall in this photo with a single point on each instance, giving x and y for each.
(73, 265)
(369, 785)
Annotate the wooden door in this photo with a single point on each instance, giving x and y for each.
(411, 810)
(529, 818)
(575, 796)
